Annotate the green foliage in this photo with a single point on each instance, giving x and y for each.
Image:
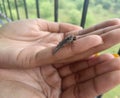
(69, 10)
(47, 9)
(114, 93)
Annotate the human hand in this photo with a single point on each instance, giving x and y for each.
(81, 79)
(19, 47)
(29, 43)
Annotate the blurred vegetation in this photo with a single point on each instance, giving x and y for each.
(70, 11)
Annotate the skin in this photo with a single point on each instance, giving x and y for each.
(29, 69)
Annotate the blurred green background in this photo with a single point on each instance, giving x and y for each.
(70, 11)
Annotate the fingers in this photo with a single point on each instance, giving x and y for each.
(109, 39)
(45, 56)
(89, 73)
(82, 65)
(100, 59)
(78, 46)
(102, 25)
(66, 54)
(79, 76)
(93, 87)
(99, 31)
(113, 79)
(72, 68)
(98, 84)
(56, 27)
(65, 27)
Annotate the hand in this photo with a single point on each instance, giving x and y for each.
(26, 47)
(82, 79)
(29, 43)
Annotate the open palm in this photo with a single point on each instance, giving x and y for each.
(83, 79)
(29, 44)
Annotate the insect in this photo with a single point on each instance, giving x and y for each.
(68, 39)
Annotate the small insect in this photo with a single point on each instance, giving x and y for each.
(66, 40)
(70, 38)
